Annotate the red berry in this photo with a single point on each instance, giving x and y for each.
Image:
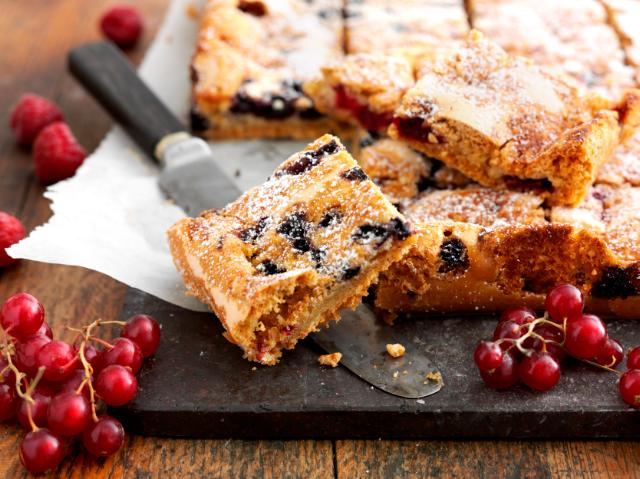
(633, 359)
(540, 371)
(59, 360)
(72, 383)
(611, 353)
(504, 376)
(122, 24)
(11, 231)
(40, 451)
(6, 375)
(103, 438)
(56, 153)
(508, 330)
(21, 315)
(550, 333)
(8, 400)
(42, 397)
(488, 356)
(116, 385)
(124, 352)
(518, 315)
(563, 302)
(30, 115)
(45, 330)
(69, 414)
(630, 387)
(585, 336)
(27, 353)
(144, 331)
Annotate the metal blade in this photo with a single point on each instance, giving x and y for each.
(191, 178)
(362, 340)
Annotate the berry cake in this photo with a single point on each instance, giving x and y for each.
(287, 256)
(251, 59)
(506, 122)
(571, 35)
(624, 16)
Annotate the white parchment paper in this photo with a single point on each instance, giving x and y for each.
(111, 216)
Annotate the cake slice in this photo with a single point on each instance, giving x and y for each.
(251, 59)
(287, 256)
(505, 122)
(623, 169)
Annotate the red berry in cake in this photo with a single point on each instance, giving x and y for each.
(518, 315)
(11, 231)
(21, 315)
(122, 24)
(563, 302)
(611, 353)
(504, 376)
(124, 352)
(68, 414)
(540, 371)
(116, 385)
(103, 438)
(488, 356)
(8, 400)
(56, 153)
(59, 360)
(630, 387)
(143, 330)
(30, 115)
(41, 397)
(27, 353)
(41, 451)
(585, 336)
(633, 359)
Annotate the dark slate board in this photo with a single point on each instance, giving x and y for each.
(198, 385)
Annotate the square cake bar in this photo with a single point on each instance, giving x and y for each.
(287, 256)
(251, 59)
(506, 122)
(572, 35)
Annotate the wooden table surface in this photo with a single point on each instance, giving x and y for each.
(35, 36)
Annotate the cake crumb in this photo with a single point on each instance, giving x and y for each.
(192, 11)
(330, 359)
(395, 350)
(395, 375)
(254, 368)
(434, 376)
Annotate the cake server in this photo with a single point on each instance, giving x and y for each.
(190, 177)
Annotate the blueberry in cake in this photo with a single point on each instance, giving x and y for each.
(288, 255)
(506, 122)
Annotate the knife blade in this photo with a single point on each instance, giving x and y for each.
(192, 179)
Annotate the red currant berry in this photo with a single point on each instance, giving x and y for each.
(585, 336)
(21, 315)
(518, 315)
(633, 359)
(550, 333)
(630, 387)
(40, 451)
(116, 385)
(69, 414)
(8, 401)
(73, 382)
(504, 376)
(507, 330)
(45, 330)
(41, 397)
(122, 24)
(6, 374)
(611, 353)
(59, 360)
(103, 438)
(124, 352)
(540, 371)
(144, 331)
(564, 301)
(27, 353)
(488, 356)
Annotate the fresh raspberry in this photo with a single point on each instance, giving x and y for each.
(122, 24)
(11, 231)
(30, 115)
(56, 153)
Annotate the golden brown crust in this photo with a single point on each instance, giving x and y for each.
(287, 256)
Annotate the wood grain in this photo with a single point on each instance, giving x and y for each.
(36, 37)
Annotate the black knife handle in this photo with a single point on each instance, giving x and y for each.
(111, 79)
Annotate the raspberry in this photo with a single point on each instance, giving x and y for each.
(30, 115)
(56, 153)
(122, 24)
(11, 231)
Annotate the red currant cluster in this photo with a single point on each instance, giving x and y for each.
(53, 388)
(530, 349)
